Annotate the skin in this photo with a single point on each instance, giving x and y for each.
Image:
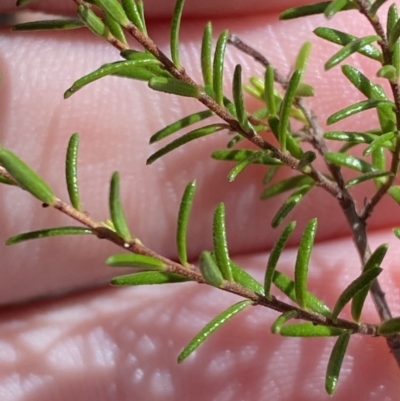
(122, 344)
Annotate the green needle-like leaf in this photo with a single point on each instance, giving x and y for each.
(394, 192)
(379, 163)
(375, 7)
(364, 280)
(302, 57)
(211, 327)
(49, 25)
(243, 278)
(394, 35)
(119, 67)
(191, 136)
(243, 164)
(93, 22)
(286, 185)
(334, 7)
(302, 262)
(392, 21)
(116, 211)
(293, 200)
(374, 261)
(210, 270)
(140, 7)
(174, 87)
(114, 9)
(115, 28)
(206, 59)
(148, 278)
(218, 67)
(363, 84)
(48, 232)
(174, 35)
(135, 260)
(346, 136)
(281, 320)
(389, 72)
(354, 109)
(220, 242)
(286, 285)
(343, 39)
(133, 13)
(26, 178)
(309, 329)
(183, 221)
(367, 176)
(238, 99)
(182, 123)
(286, 106)
(335, 362)
(274, 257)
(240, 155)
(312, 9)
(269, 91)
(344, 160)
(71, 171)
(381, 141)
(389, 327)
(350, 49)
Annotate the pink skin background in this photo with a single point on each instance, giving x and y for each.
(121, 344)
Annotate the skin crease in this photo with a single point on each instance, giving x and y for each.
(122, 344)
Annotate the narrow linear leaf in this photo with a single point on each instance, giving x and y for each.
(148, 278)
(302, 57)
(135, 260)
(394, 35)
(378, 160)
(115, 28)
(234, 141)
(286, 185)
(119, 67)
(389, 327)
(281, 320)
(363, 84)
(93, 22)
(210, 270)
(381, 141)
(269, 91)
(351, 48)
(252, 159)
(274, 257)
(375, 7)
(191, 136)
(392, 20)
(343, 39)
(365, 279)
(286, 285)
(71, 171)
(309, 329)
(180, 124)
(132, 12)
(305, 90)
(335, 362)
(174, 87)
(114, 9)
(220, 242)
(49, 25)
(293, 200)
(116, 211)
(367, 176)
(243, 278)
(334, 7)
(211, 327)
(346, 136)
(206, 59)
(26, 178)
(238, 99)
(270, 174)
(345, 160)
(389, 72)
(218, 67)
(286, 106)
(174, 34)
(183, 221)
(240, 155)
(311, 9)
(140, 7)
(394, 192)
(302, 262)
(374, 261)
(49, 232)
